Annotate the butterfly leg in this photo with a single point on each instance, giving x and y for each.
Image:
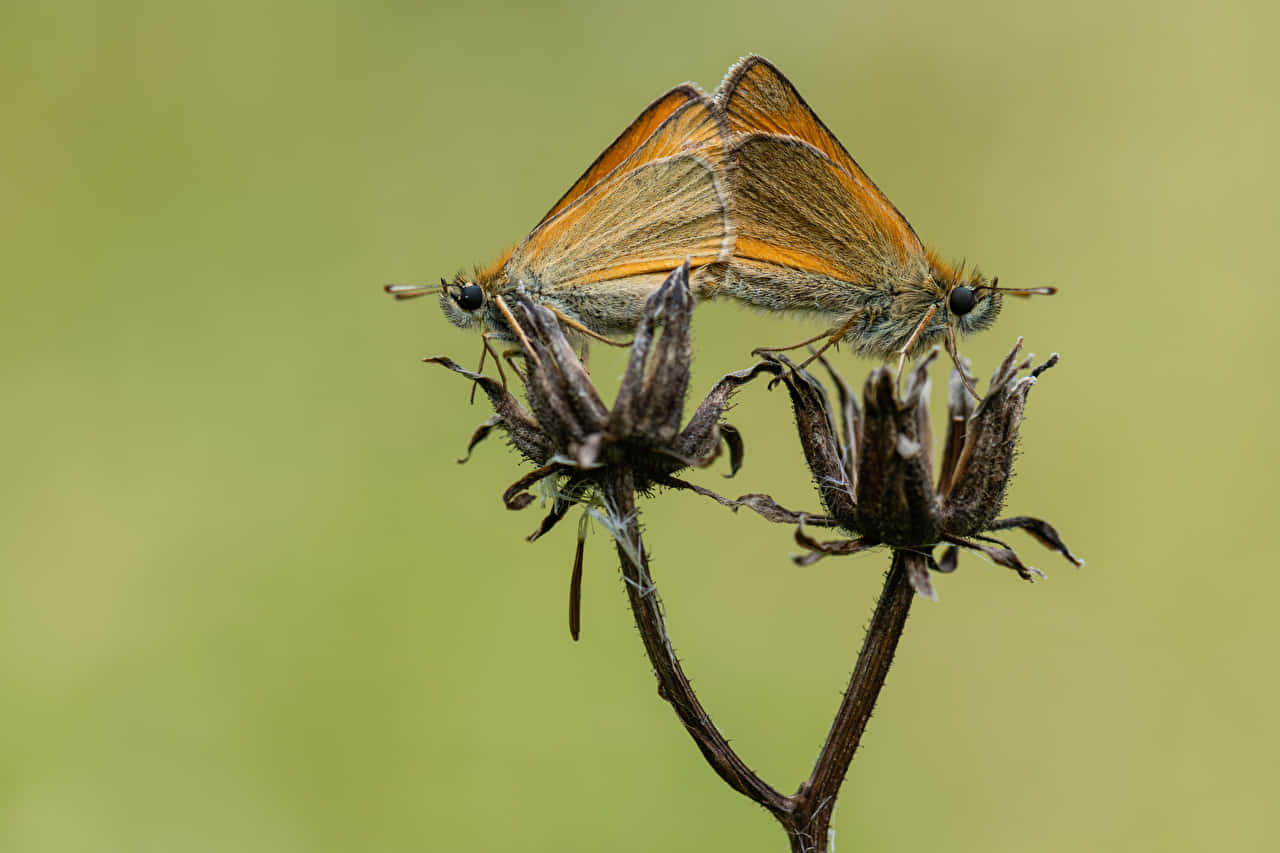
(581, 329)
(911, 342)
(835, 337)
(803, 343)
(486, 351)
(515, 327)
(832, 336)
(509, 357)
(954, 352)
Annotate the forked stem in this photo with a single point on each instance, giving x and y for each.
(806, 816)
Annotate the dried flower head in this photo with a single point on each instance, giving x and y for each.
(577, 442)
(875, 469)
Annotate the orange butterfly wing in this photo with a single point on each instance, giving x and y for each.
(629, 141)
(757, 99)
(803, 244)
(598, 257)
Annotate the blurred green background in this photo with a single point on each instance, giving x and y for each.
(248, 601)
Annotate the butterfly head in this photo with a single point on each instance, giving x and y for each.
(970, 302)
(463, 300)
(468, 301)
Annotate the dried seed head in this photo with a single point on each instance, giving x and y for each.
(875, 473)
(576, 442)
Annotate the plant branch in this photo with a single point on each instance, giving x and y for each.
(815, 801)
(806, 816)
(618, 491)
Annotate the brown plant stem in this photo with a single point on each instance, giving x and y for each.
(815, 801)
(618, 492)
(806, 816)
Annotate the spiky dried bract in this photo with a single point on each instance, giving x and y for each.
(576, 441)
(894, 496)
(522, 428)
(875, 473)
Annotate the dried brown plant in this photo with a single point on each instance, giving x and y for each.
(872, 463)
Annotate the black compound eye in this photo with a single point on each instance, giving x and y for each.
(961, 300)
(471, 297)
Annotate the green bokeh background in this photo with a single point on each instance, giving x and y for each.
(249, 602)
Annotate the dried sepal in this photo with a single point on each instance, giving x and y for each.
(481, 433)
(875, 472)
(1042, 531)
(819, 439)
(578, 443)
(522, 428)
(818, 550)
(917, 566)
(706, 428)
(761, 504)
(975, 491)
(895, 497)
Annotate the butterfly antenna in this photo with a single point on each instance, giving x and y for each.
(1018, 291)
(411, 291)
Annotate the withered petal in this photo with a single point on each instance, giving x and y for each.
(850, 416)
(560, 395)
(917, 401)
(522, 427)
(823, 450)
(515, 497)
(975, 491)
(895, 496)
(959, 410)
(683, 461)
(701, 433)
(651, 397)
(836, 546)
(1050, 362)
(737, 450)
(762, 504)
(575, 590)
(917, 568)
(587, 454)
(559, 509)
(1043, 531)
(1003, 556)
(560, 366)
(480, 434)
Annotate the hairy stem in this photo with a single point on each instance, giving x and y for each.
(619, 494)
(806, 816)
(816, 799)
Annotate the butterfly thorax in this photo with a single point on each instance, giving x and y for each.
(888, 315)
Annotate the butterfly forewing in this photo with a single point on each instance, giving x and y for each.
(599, 256)
(599, 259)
(630, 140)
(798, 224)
(756, 98)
